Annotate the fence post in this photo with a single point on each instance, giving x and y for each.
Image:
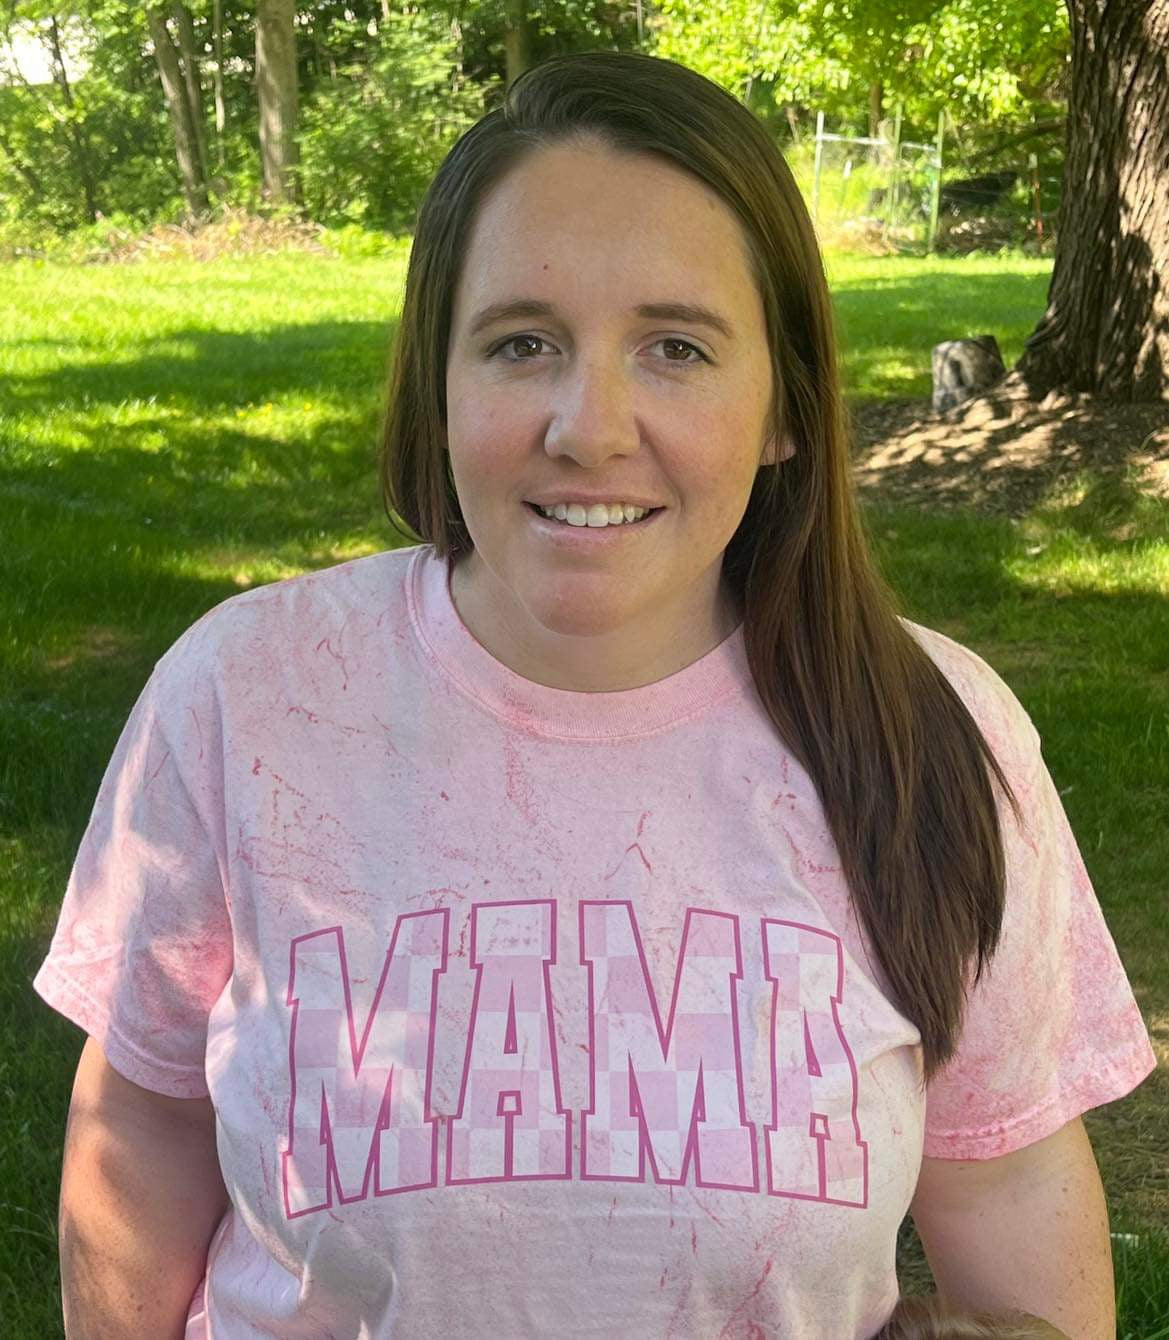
(891, 208)
(816, 170)
(936, 194)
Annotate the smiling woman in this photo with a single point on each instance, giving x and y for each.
(599, 415)
(604, 916)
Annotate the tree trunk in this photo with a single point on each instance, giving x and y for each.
(186, 145)
(220, 105)
(876, 107)
(457, 37)
(78, 143)
(516, 43)
(276, 92)
(189, 50)
(1106, 328)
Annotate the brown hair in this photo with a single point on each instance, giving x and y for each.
(900, 765)
(928, 1319)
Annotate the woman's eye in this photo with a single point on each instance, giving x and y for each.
(517, 340)
(684, 344)
(511, 346)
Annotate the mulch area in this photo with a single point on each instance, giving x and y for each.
(1004, 452)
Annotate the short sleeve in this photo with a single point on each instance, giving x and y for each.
(1052, 1028)
(143, 945)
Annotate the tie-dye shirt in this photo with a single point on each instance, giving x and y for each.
(531, 1013)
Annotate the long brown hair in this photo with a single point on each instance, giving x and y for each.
(900, 765)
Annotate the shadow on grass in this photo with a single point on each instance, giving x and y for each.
(200, 485)
(104, 538)
(213, 370)
(178, 459)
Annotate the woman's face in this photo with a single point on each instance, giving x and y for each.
(603, 388)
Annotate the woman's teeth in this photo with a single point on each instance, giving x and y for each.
(600, 514)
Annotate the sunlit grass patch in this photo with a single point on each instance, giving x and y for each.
(892, 310)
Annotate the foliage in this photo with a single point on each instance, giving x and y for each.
(372, 137)
(106, 128)
(384, 91)
(385, 88)
(988, 61)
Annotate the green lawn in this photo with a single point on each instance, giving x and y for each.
(173, 433)
(892, 310)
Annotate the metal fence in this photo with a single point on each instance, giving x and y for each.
(892, 194)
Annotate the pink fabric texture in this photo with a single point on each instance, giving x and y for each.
(534, 1013)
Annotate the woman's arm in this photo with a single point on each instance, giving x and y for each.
(1028, 1230)
(141, 1197)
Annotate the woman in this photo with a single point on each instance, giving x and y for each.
(563, 927)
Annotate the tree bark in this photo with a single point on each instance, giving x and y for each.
(276, 92)
(876, 107)
(516, 40)
(189, 50)
(1106, 328)
(78, 143)
(186, 145)
(220, 105)
(457, 37)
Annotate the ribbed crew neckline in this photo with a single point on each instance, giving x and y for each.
(561, 713)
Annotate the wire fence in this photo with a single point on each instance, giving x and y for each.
(886, 193)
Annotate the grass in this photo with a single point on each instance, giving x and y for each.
(892, 310)
(173, 433)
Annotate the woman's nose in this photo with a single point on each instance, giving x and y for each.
(592, 414)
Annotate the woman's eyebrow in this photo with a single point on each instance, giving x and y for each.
(691, 313)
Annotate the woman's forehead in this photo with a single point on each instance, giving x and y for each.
(597, 194)
(601, 223)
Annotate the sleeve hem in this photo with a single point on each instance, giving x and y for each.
(174, 1081)
(988, 1142)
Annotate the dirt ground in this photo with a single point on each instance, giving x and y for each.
(1003, 452)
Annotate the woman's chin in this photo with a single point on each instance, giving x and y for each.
(587, 608)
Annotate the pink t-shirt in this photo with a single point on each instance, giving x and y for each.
(533, 1013)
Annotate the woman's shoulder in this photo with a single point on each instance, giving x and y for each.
(257, 624)
(987, 696)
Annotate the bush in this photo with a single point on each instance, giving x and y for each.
(371, 139)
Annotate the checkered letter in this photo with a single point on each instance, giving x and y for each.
(814, 1149)
(358, 1112)
(511, 1123)
(673, 1093)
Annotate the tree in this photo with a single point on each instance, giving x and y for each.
(220, 104)
(373, 132)
(184, 118)
(985, 61)
(1106, 327)
(516, 38)
(189, 50)
(276, 91)
(82, 155)
(82, 138)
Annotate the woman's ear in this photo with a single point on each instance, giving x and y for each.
(786, 449)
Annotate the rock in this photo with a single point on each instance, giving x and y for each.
(964, 368)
